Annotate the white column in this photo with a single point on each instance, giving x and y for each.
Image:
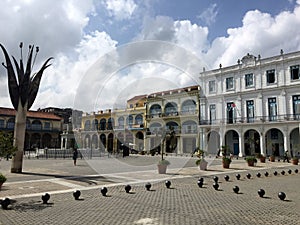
(263, 149)
(241, 146)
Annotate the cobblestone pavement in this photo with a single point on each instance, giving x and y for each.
(183, 203)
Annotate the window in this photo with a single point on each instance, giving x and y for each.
(47, 126)
(229, 83)
(139, 119)
(102, 124)
(10, 123)
(296, 107)
(212, 113)
(270, 76)
(272, 109)
(250, 111)
(249, 80)
(129, 120)
(274, 134)
(231, 114)
(110, 123)
(1, 123)
(212, 86)
(121, 122)
(294, 72)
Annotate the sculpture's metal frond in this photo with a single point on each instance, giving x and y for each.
(12, 80)
(19, 72)
(35, 83)
(24, 86)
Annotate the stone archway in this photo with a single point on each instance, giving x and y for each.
(295, 143)
(232, 141)
(252, 142)
(139, 141)
(213, 143)
(274, 142)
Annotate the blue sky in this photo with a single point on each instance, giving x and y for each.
(84, 33)
(218, 16)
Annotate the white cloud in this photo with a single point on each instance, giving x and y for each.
(260, 34)
(59, 86)
(58, 28)
(208, 16)
(120, 9)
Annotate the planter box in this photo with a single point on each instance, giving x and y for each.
(226, 165)
(251, 163)
(272, 158)
(262, 159)
(203, 165)
(295, 161)
(162, 169)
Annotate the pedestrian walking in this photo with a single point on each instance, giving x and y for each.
(75, 156)
(286, 157)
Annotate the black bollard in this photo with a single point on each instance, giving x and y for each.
(266, 174)
(258, 175)
(103, 191)
(168, 183)
(76, 194)
(236, 189)
(261, 192)
(238, 176)
(248, 175)
(275, 173)
(5, 203)
(201, 179)
(127, 188)
(282, 172)
(296, 170)
(200, 183)
(148, 186)
(289, 171)
(281, 195)
(226, 177)
(215, 178)
(216, 186)
(45, 198)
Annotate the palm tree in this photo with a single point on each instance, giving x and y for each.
(23, 91)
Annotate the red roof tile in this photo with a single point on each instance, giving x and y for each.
(31, 114)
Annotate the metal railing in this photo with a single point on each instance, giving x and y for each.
(256, 119)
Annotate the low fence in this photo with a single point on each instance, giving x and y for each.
(63, 153)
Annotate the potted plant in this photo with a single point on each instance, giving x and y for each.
(2, 180)
(162, 166)
(251, 160)
(262, 158)
(226, 162)
(295, 161)
(272, 156)
(201, 162)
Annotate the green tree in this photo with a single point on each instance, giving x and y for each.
(6, 144)
(23, 90)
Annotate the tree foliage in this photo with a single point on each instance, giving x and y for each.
(6, 144)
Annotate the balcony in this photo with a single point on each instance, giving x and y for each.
(253, 120)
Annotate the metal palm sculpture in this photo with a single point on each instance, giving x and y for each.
(23, 90)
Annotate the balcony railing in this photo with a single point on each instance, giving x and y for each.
(256, 119)
(172, 114)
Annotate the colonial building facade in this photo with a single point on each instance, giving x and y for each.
(167, 120)
(253, 106)
(42, 129)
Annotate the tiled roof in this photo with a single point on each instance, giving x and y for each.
(31, 114)
(138, 97)
(184, 89)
